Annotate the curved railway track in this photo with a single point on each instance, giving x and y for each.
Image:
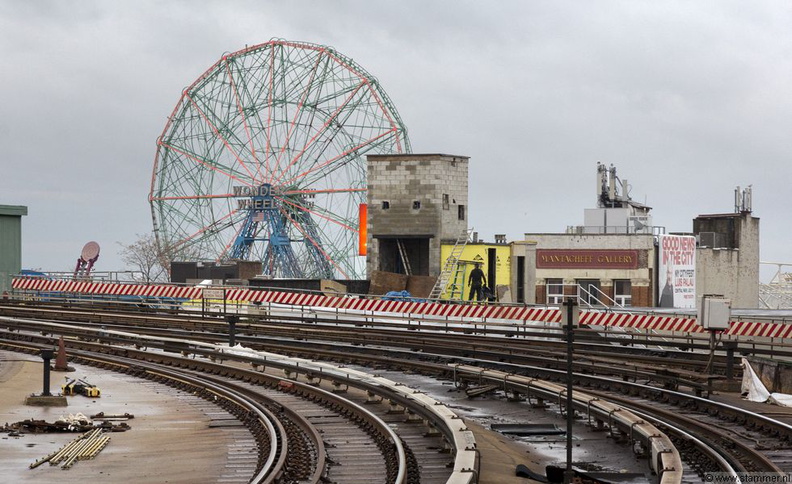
(363, 447)
(513, 358)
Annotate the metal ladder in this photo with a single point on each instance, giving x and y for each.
(451, 266)
(455, 288)
(404, 259)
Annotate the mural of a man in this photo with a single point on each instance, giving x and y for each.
(667, 295)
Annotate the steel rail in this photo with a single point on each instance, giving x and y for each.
(268, 471)
(395, 447)
(664, 461)
(596, 379)
(756, 458)
(273, 468)
(453, 428)
(600, 347)
(712, 453)
(768, 422)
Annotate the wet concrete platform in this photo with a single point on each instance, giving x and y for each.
(171, 440)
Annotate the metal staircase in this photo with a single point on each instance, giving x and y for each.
(451, 266)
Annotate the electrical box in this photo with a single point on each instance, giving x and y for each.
(575, 313)
(714, 312)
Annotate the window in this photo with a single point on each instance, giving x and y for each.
(622, 292)
(555, 291)
(461, 212)
(416, 204)
(446, 203)
(385, 205)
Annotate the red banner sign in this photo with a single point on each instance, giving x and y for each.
(586, 259)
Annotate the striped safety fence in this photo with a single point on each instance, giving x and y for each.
(417, 309)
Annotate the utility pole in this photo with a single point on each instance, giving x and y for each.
(571, 321)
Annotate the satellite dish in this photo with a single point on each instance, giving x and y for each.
(89, 255)
(90, 251)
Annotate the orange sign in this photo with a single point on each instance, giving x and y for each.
(363, 229)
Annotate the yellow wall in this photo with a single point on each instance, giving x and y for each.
(477, 253)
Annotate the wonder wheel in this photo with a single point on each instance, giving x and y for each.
(263, 158)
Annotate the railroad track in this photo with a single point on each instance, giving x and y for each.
(531, 345)
(708, 444)
(771, 434)
(362, 446)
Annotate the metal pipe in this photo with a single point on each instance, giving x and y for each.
(570, 304)
(46, 355)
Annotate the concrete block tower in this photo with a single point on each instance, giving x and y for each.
(415, 202)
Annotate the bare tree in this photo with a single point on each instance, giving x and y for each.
(144, 256)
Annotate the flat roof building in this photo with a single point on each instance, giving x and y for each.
(10, 243)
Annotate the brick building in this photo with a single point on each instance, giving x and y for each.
(599, 268)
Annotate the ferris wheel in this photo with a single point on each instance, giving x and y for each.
(263, 159)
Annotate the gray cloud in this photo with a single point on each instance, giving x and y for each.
(687, 99)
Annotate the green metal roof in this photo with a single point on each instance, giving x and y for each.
(17, 210)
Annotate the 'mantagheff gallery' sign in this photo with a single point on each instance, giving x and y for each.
(586, 259)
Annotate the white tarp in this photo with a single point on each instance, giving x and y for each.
(782, 399)
(757, 392)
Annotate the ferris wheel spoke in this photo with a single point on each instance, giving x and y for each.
(346, 155)
(316, 243)
(321, 131)
(339, 121)
(318, 151)
(234, 236)
(210, 165)
(340, 93)
(299, 110)
(269, 110)
(329, 216)
(186, 220)
(386, 112)
(219, 135)
(193, 197)
(243, 116)
(250, 88)
(218, 225)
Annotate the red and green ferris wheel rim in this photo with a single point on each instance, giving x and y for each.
(297, 117)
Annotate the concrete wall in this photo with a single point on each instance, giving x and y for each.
(731, 270)
(438, 182)
(10, 243)
(641, 278)
(527, 250)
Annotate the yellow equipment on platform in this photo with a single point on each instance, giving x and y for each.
(80, 387)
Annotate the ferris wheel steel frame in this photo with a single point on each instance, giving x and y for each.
(263, 158)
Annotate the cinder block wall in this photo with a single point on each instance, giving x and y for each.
(416, 195)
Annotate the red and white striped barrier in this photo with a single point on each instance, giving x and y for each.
(46, 285)
(449, 311)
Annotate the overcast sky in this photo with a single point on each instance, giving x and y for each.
(686, 99)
